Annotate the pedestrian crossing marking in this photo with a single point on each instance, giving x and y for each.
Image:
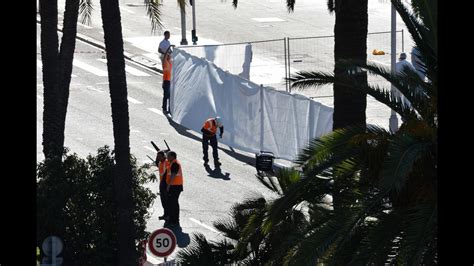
(154, 110)
(89, 68)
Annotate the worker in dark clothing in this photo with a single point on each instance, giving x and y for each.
(162, 164)
(209, 130)
(174, 181)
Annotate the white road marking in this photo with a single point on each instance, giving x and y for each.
(148, 148)
(203, 225)
(130, 69)
(130, 99)
(92, 88)
(154, 110)
(271, 19)
(128, 10)
(92, 69)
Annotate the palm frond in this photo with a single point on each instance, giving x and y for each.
(153, 10)
(85, 11)
(307, 79)
(403, 153)
(315, 245)
(200, 252)
(424, 37)
(379, 241)
(420, 231)
(229, 227)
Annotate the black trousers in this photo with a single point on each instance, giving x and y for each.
(164, 197)
(205, 147)
(166, 94)
(173, 203)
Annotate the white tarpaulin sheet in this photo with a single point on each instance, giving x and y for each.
(255, 118)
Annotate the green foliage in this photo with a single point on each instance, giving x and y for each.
(79, 206)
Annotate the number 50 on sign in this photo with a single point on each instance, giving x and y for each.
(162, 242)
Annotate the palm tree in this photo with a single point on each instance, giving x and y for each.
(113, 39)
(244, 240)
(386, 181)
(57, 70)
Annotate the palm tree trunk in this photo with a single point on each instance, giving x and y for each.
(66, 57)
(350, 32)
(49, 57)
(57, 69)
(118, 93)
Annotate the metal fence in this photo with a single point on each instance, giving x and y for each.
(269, 62)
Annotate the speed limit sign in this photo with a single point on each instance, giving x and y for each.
(162, 242)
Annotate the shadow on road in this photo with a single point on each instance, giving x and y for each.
(182, 130)
(250, 160)
(217, 173)
(182, 239)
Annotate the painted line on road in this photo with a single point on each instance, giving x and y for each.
(92, 88)
(130, 99)
(203, 225)
(154, 110)
(148, 148)
(129, 69)
(126, 9)
(92, 69)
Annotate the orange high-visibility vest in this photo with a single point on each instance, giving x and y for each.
(167, 66)
(178, 179)
(210, 125)
(162, 166)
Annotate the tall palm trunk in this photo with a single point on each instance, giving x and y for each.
(350, 31)
(49, 57)
(57, 69)
(118, 94)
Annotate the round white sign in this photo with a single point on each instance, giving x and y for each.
(162, 242)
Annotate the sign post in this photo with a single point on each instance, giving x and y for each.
(162, 242)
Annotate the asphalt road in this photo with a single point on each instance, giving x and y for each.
(207, 196)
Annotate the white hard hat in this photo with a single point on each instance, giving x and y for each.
(218, 121)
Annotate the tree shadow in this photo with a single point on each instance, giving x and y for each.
(217, 173)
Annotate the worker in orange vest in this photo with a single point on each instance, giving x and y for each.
(167, 67)
(163, 164)
(174, 181)
(209, 130)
